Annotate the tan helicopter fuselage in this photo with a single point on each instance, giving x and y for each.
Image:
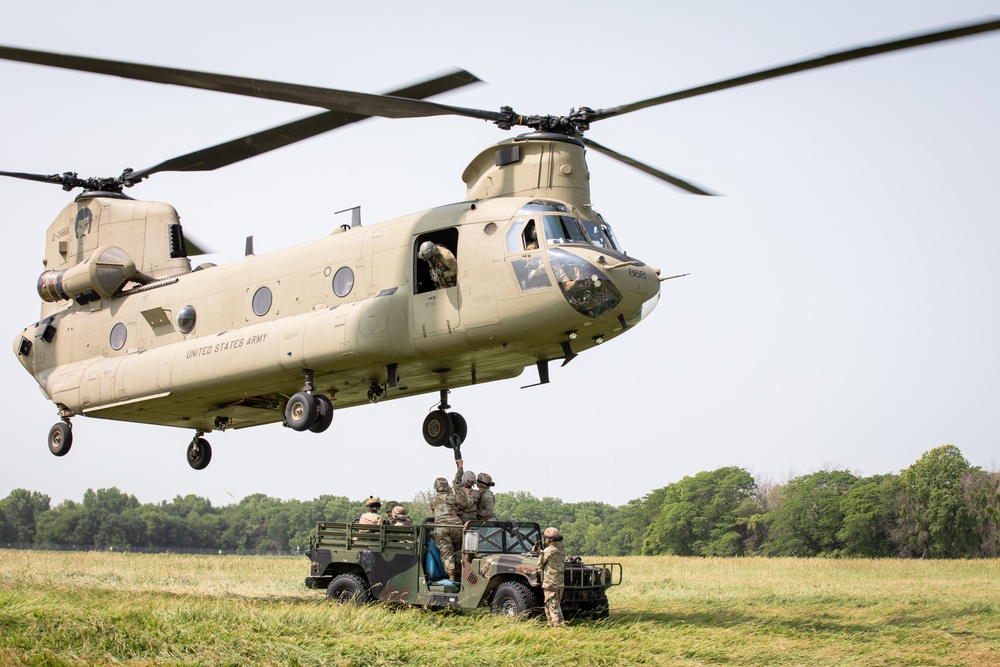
(130, 332)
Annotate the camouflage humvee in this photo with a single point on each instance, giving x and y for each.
(361, 563)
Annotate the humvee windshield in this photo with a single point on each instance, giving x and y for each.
(508, 537)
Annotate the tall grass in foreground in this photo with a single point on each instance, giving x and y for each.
(137, 609)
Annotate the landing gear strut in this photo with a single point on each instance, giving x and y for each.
(445, 428)
(306, 411)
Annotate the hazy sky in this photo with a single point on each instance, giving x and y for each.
(842, 305)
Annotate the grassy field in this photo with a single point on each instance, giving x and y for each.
(135, 609)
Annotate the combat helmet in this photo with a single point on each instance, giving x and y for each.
(484, 479)
(552, 533)
(468, 478)
(441, 484)
(427, 250)
(398, 511)
(373, 503)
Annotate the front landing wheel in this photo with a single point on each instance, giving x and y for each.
(199, 453)
(60, 438)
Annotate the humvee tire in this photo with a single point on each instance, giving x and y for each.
(348, 589)
(513, 598)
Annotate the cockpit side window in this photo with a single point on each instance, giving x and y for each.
(530, 236)
(513, 237)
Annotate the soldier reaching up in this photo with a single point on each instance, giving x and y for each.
(447, 527)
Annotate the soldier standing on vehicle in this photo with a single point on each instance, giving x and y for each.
(463, 483)
(484, 508)
(448, 527)
(372, 517)
(551, 564)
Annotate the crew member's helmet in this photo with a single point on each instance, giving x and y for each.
(552, 533)
(373, 503)
(398, 511)
(484, 479)
(440, 484)
(427, 250)
(468, 478)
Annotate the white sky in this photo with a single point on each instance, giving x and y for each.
(842, 305)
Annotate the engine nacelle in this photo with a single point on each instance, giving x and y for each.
(100, 277)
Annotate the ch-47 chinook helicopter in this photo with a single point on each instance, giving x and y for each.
(129, 330)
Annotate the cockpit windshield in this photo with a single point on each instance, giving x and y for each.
(560, 226)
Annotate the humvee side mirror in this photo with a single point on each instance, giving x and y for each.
(470, 541)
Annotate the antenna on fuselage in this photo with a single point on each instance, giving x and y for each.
(355, 215)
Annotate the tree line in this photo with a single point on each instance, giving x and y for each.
(939, 507)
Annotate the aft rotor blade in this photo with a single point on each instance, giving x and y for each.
(652, 171)
(363, 104)
(221, 155)
(813, 63)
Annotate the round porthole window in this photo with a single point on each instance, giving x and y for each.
(185, 319)
(343, 281)
(118, 335)
(262, 301)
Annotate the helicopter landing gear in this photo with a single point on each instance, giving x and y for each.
(61, 438)
(306, 412)
(301, 411)
(443, 428)
(324, 414)
(199, 452)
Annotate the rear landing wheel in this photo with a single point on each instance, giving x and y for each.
(60, 438)
(301, 411)
(438, 428)
(199, 453)
(459, 426)
(324, 414)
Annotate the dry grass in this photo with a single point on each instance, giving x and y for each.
(112, 609)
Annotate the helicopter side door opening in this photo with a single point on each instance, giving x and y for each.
(433, 268)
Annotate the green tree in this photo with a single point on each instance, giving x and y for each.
(19, 513)
(810, 515)
(981, 491)
(934, 520)
(870, 510)
(698, 515)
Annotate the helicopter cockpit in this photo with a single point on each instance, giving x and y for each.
(585, 287)
(560, 226)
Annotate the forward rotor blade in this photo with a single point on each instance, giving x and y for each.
(813, 63)
(652, 171)
(41, 178)
(328, 98)
(221, 155)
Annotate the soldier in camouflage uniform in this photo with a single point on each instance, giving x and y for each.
(463, 483)
(551, 564)
(484, 509)
(399, 517)
(442, 264)
(448, 534)
(372, 517)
